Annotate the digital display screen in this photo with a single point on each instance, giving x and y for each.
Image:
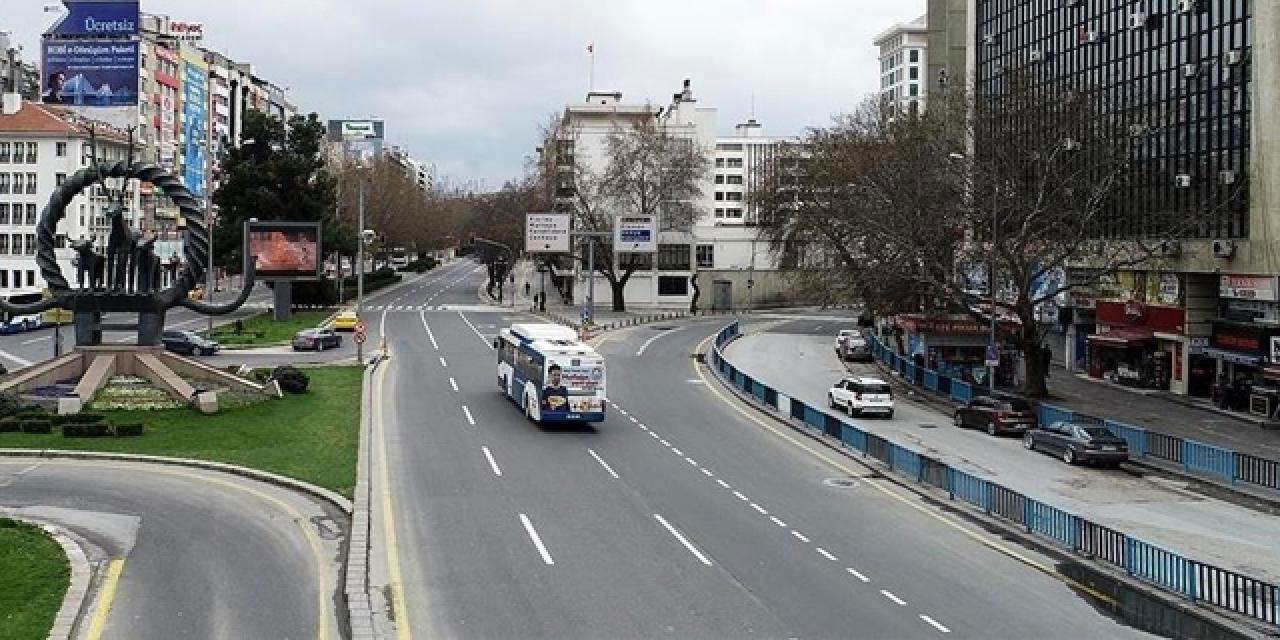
(285, 250)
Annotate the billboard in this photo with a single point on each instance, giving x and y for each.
(635, 234)
(90, 73)
(285, 250)
(546, 233)
(361, 140)
(98, 18)
(195, 100)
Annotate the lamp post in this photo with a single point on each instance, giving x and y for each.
(360, 269)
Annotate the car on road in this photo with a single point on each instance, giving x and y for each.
(841, 336)
(996, 415)
(345, 321)
(862, 396)
(189, 343)
(1078, 442)
(316, 340)
(854, 348)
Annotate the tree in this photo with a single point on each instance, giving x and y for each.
(277, 173)
(647, 171)
(903, 212)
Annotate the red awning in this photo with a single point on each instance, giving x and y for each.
(1124, 337)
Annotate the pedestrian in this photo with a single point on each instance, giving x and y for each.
(526, 289)
(1046, 358)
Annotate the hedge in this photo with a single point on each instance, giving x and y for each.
(88, 430)
(37, 425)
(10, 424)
(324, 292)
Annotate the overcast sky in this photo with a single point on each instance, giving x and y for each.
(465, 84)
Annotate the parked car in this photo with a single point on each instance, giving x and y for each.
(346, 321)
(189, 343)
(1076, 442)
(316, 340)
(856, 349)
(861, 396)
(841, 337)
(996, 415)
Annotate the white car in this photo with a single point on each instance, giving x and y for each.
(843, 336)
(861, 396)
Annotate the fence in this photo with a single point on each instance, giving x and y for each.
(1189, 578)
(1194, 457)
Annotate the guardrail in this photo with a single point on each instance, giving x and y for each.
(1189, 578)
(1195, 457)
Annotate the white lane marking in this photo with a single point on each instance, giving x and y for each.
(35, 340)
(707, 472)
(738, 495)
(423, 315)
(492, 463)
(778, 522)
(655, 435)
(537, 541)
(633, 419)
(453, 383)
(641, 425)
(826, 554)
(382, 325)
(854, 572)
(761, 510)
(443, 363)
(23, 362)
(620, 409)
(688, 545)
(648, 342)
(934, 623)
(896, 600)
(470, 420)
(722, 483)
(691, 461)
(603, 463)
(664, 442)
(677, 451)
(473, 328)
(799, 536)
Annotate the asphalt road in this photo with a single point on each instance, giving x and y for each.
(205, 555)
(682, 515)
(799, 357)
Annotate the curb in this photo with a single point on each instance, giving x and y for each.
(66, 622)
(359, 550)
(941, 500)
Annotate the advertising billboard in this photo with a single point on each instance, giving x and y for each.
(100, 18)
(546, 233)
(635, 234)
(285, 250)
(90, 73)
(361, 140)
(195, 98)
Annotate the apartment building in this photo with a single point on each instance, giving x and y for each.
(904, 59)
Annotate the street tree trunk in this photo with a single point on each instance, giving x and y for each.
(1028, 341)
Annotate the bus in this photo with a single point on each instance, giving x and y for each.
(550, 374)
(18, 324)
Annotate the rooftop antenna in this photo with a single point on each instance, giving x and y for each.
(753, 105)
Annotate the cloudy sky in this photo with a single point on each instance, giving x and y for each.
(464, 84)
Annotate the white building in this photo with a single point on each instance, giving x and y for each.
(40, 147)
(904, 58)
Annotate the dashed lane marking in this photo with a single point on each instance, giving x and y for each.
(471, 421)
(493, 464)
(537, 540)
(799, 536)
(934, 623)
(855, 573)
(603, 463)
(895, 599)
(826, 554)
(684, 541)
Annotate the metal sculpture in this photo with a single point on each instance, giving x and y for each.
(127, 278)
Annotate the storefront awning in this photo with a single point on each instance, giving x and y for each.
(1124, 337)
(1238, 357)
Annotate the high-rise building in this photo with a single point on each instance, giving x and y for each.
(904, 58)
(948, 44)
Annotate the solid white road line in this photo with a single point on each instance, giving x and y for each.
(934, 623)
(896, 600)
(603, 463)
(826, 554)
(453, 383)
(799, 536)
(684, 541)
(470, 420)
(473, 328)
(35, 340)
(423, 315)
(759, 509)
(492, 463)
(537, 541)
(778, 522)
(443, 363)
(854, 572)
(23, 362)
(648, 342)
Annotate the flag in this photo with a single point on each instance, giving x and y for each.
(591, 48)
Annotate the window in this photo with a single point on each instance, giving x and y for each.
(733, 213)
(719, 196)
(31, 213)
(60, 150)
(719, 213)
(4, 275)
(31, 183)
(82, 215)
(706, 256)
(734, 163)
(915, 55)
(17, 276)
(734, 179)
(59, 178)
(32, 150)
(19, 148)
(4, 246)
(31, 245)
(913, 73)
(4, 214)
(719, 179)
(673, 257)
(915, 89)
(15, 243)
(19, 180)
(31, 275)
(719, 162)
(673, 286)
(733, 196)
(4, 151)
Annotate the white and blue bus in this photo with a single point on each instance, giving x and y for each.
(550, 374)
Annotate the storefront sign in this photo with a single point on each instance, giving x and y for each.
(1248, 287)
(945, 326)
(1253, 311)
(1237, 338)
(1170, 289)
(1116, 313)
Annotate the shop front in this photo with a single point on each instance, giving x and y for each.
(1245, 344)
(1137, 345)
(955, 346)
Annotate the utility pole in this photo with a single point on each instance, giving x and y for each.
(360, 270)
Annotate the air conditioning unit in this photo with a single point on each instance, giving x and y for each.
(1188, 6)
(1137, 130)
(1227, 176)
(1137, 20)
(1235, 57)
(990, 40)
(1183, 180)
(1224, 248)
(1035, 55)
(1191, 70)
(1169, 248)
(1070, 3)
(1070, 145)
(1091, 37)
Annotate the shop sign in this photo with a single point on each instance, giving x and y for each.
(1248, 287)
(1231, 338)
(946, 326)
(1170, 289)
(1135, 314)
(1253, 311)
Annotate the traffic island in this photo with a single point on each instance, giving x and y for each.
(261, 330)
(36, 576)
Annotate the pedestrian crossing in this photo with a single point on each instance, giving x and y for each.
(411, 308)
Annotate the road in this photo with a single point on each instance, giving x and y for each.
(798, 356)
(202, 554)
(683, 515)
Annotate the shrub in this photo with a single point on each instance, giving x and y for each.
(261, 376)
(291, 379)
(10, 403)
(128, 430)
(37, 425)
(77, 418)
(86, 430)
(10, 424)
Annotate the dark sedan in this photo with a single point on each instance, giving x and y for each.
(188, 343)
(316, 340)
(996, 415)
(1075, 442)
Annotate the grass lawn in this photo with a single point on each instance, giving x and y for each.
(262, 329)
(312, 436)
(36, 577)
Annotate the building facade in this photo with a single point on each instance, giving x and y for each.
(1184, 79)
(904, 60)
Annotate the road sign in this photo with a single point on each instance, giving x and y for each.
(359, 326)
(992, 357)
(359, 336)
(546, 233)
